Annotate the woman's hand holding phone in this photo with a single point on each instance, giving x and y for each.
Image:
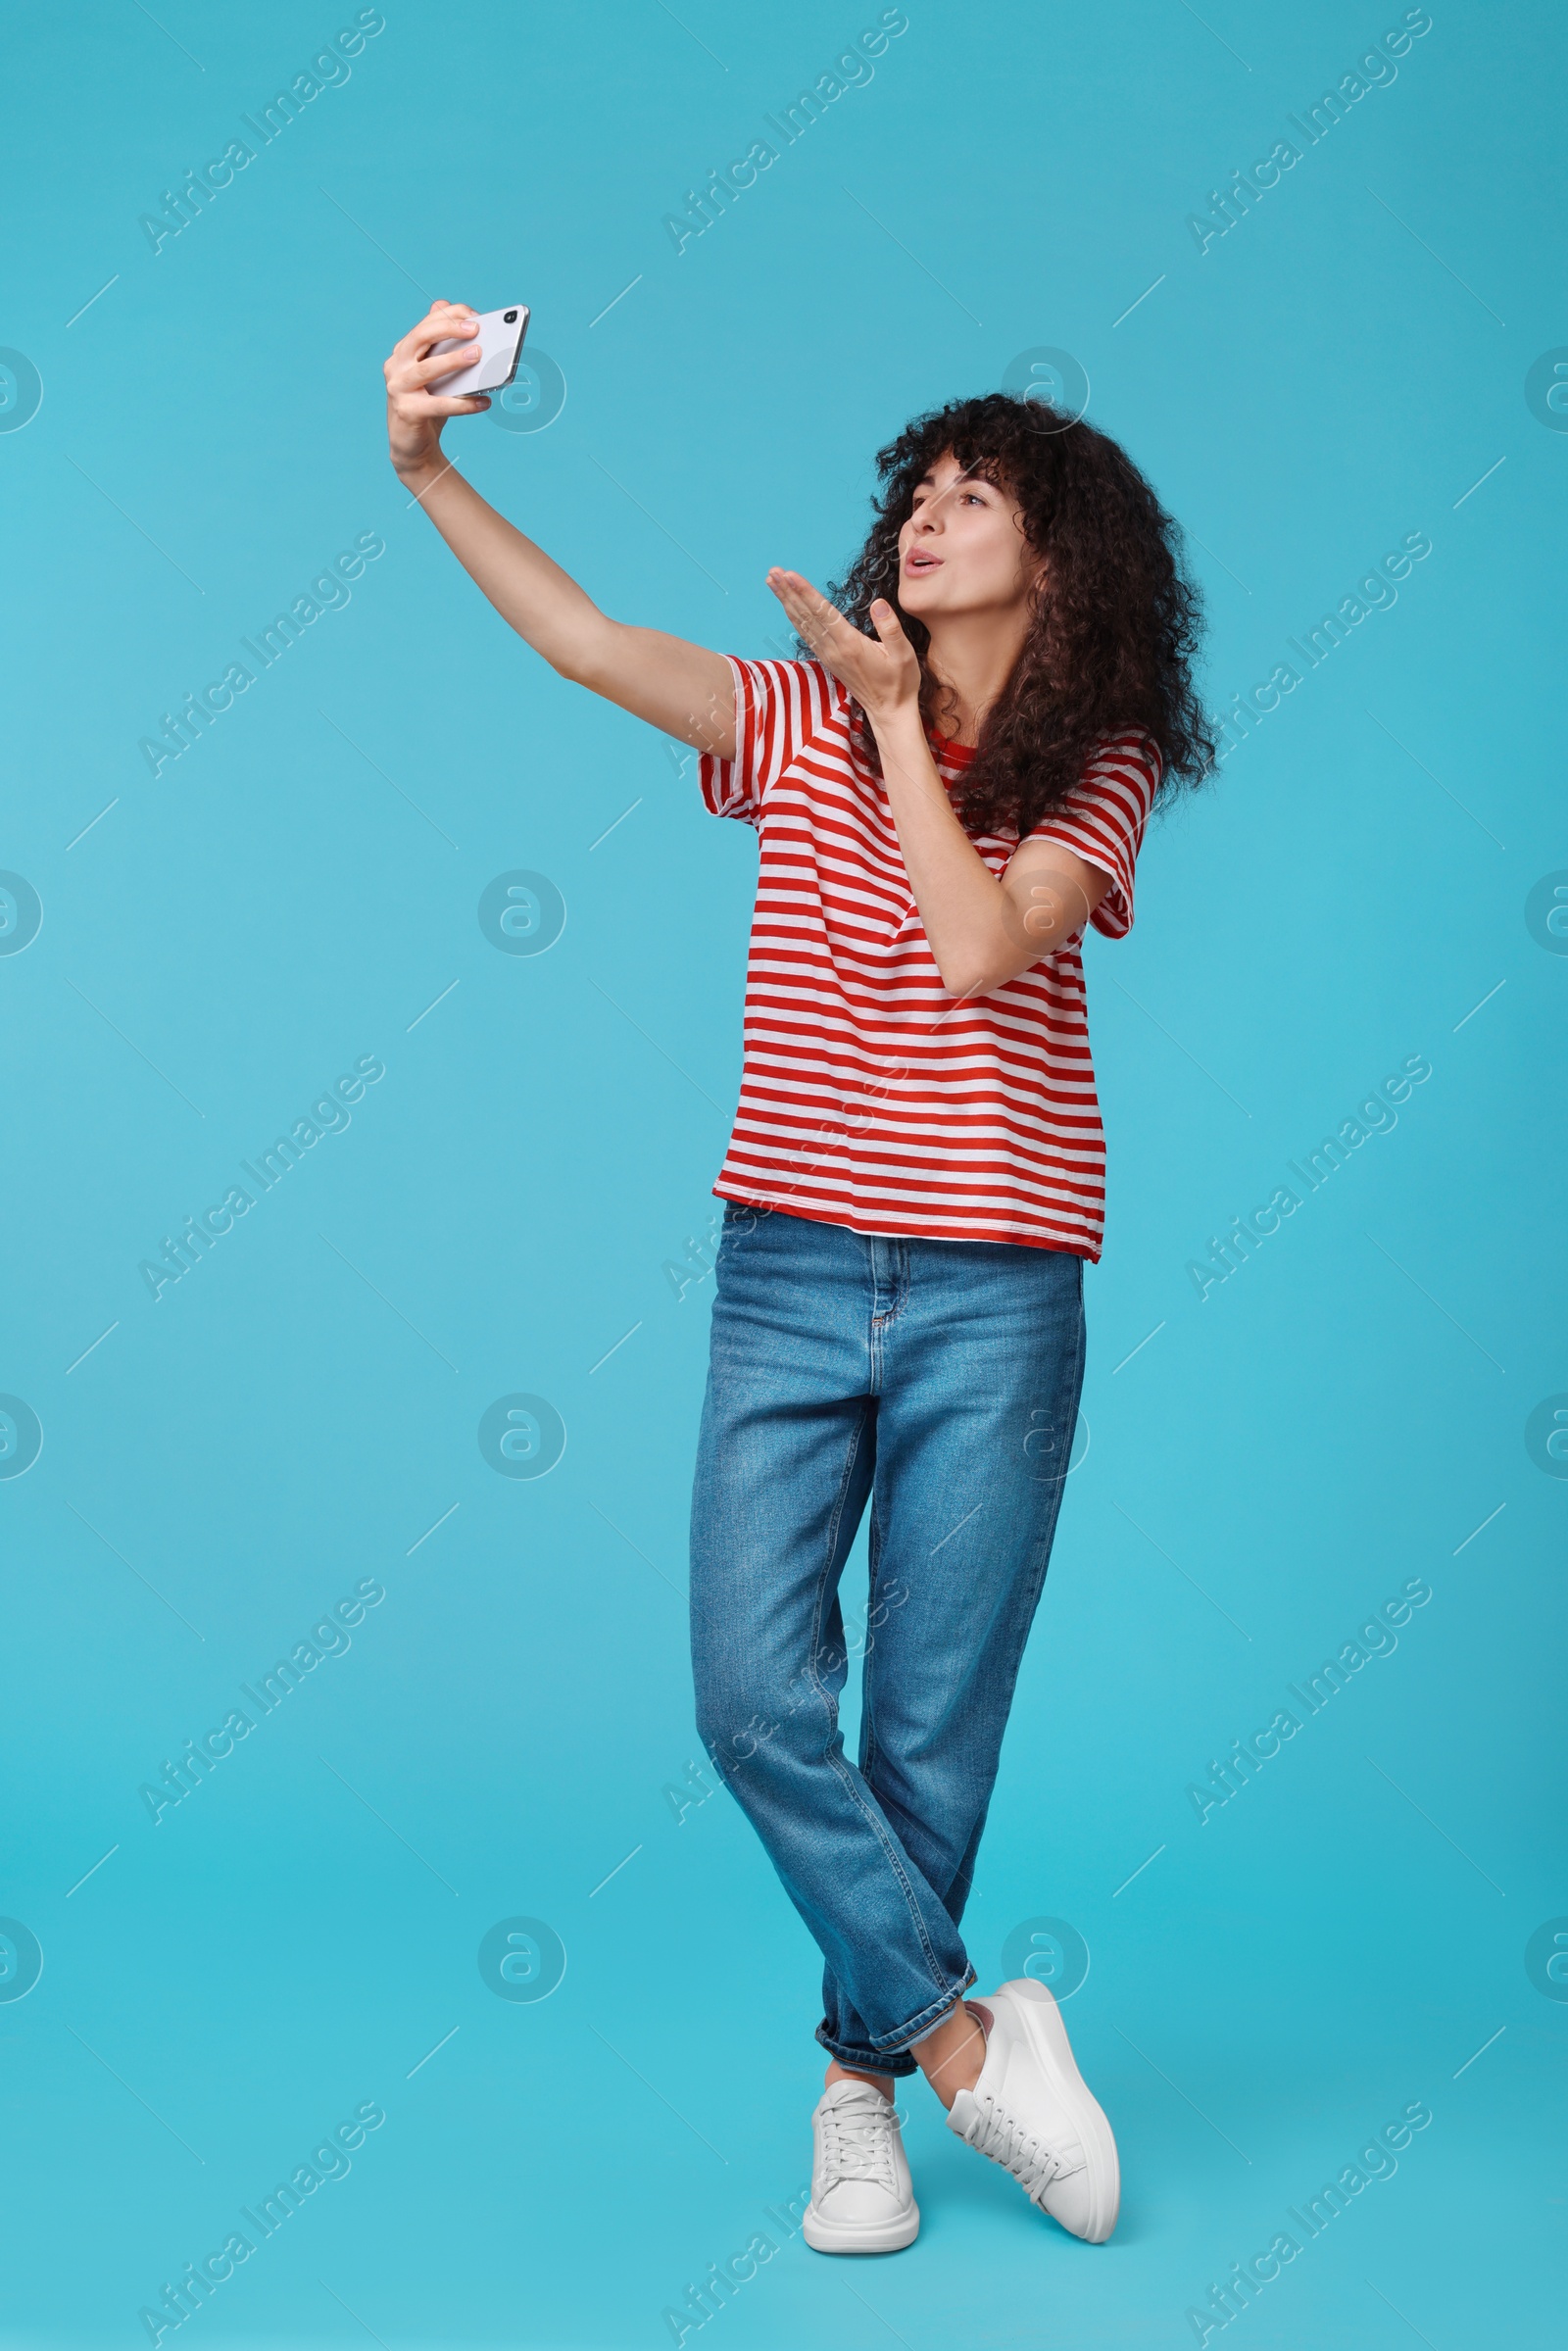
(414, 415)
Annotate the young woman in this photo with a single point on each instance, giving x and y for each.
(947, 792)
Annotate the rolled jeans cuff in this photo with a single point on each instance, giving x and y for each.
(890, 2054)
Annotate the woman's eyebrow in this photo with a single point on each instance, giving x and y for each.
(968, 478)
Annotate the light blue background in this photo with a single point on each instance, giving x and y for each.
(295, 1414)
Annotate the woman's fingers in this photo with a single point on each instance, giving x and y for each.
(441, 320)
(412, 400)
(812, 612)
(437, 321)
(826, 631)
(408, 376)
(447, 310)
(444, 321)
(806, 618)
(414, 413)
(882, 672)
(805, 599)
(441, 362)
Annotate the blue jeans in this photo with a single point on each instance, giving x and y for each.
(940, 1381)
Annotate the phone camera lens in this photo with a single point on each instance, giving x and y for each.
(511, 318)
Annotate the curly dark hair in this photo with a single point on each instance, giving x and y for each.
(1116, 623)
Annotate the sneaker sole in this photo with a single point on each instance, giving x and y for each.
(833, 2236)
(1041, 2019)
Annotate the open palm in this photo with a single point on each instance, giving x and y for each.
(882, 673)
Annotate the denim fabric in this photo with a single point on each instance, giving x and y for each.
(940, 1381)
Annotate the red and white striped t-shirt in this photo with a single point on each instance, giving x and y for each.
(871, 1096)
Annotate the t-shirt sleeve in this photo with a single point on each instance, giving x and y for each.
(1102, 819)
(779, 707)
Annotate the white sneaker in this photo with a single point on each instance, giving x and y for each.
(862, 2199)
(1031, 2112)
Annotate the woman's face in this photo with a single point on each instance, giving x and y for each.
(962, 551)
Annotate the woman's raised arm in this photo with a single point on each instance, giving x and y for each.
(683, 689)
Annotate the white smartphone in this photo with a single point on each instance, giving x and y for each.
(500, 336)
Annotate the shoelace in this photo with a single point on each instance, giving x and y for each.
(995, 2133)
(858, 2145)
